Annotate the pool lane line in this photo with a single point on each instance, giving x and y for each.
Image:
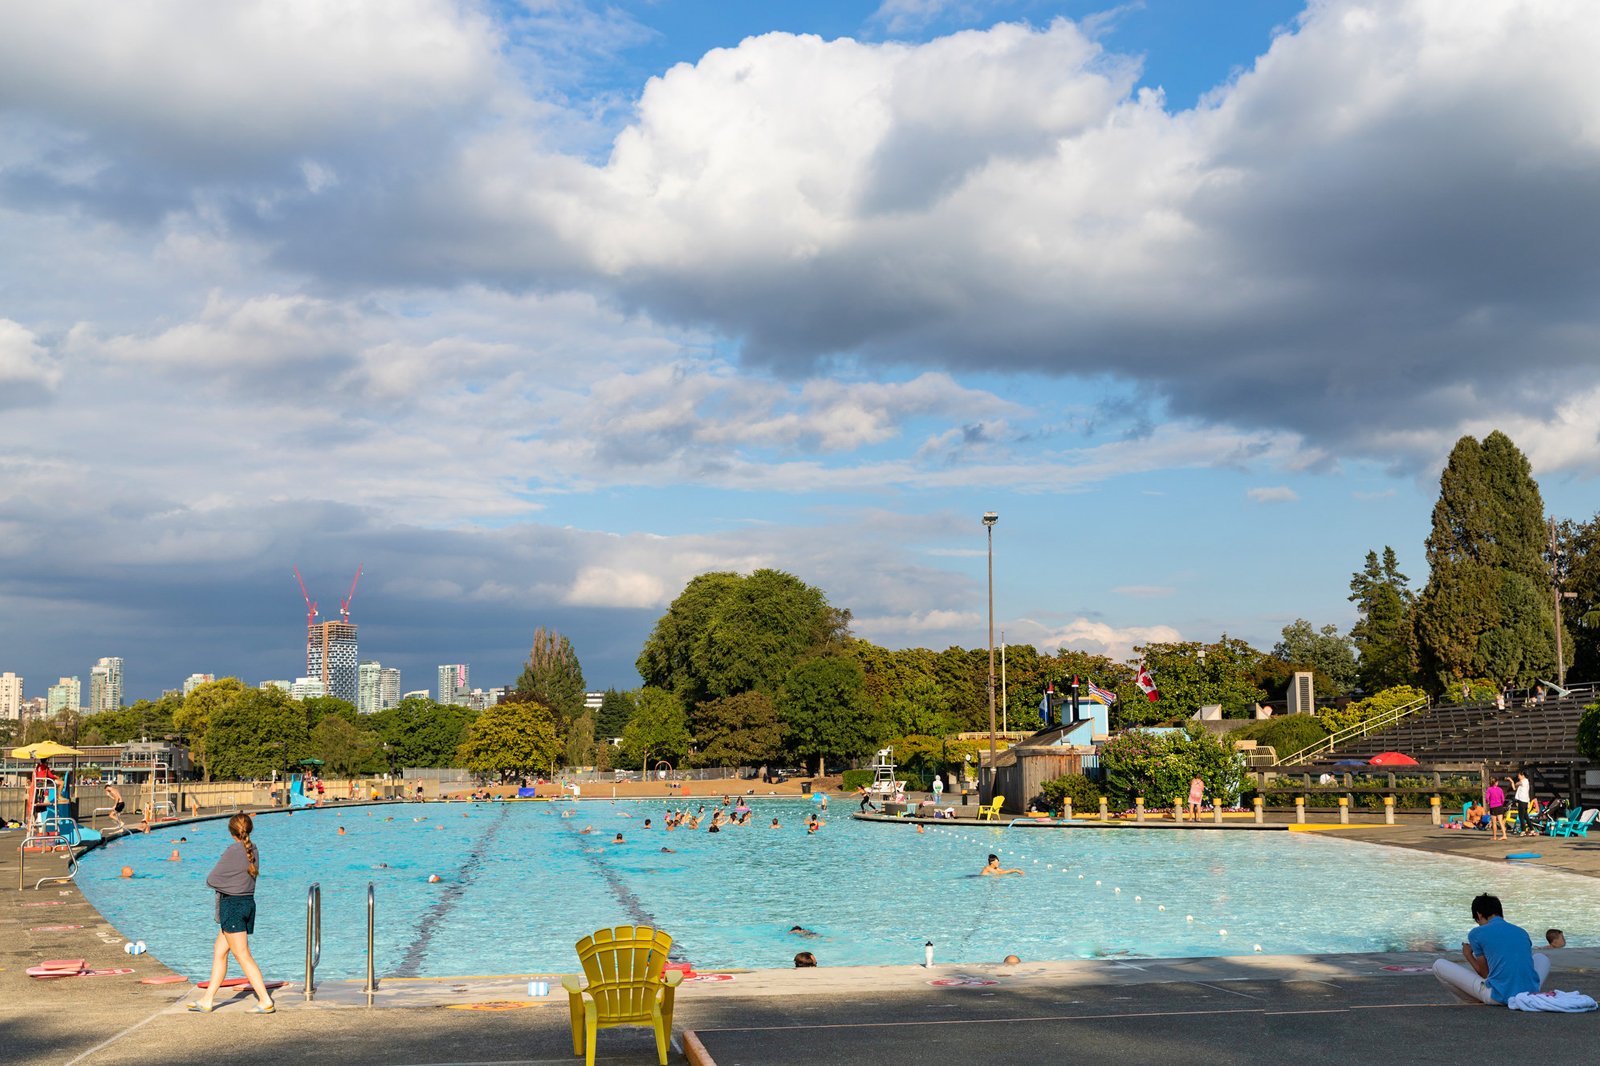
(621, 892)
(452, 894)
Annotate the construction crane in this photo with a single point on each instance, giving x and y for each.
(344, 604)
(311, 607)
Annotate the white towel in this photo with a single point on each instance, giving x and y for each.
(1565, 1002)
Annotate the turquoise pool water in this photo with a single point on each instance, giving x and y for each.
(519, 884)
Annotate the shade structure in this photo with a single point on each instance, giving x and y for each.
(311, 762)
(1392, 758)
(45, 749)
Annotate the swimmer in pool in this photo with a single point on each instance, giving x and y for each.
(775, 824)
(586, 830)
(994, 870)
(800, 930)
(618, 839)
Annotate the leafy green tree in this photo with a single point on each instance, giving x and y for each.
(579, 741)
(320, 707)
(142, 718)
(255, 733)
(615, 710)
(1384, 632)
(1326, 651)
(824, 710)
(1577, 563)
(1159, 767)
(659, 729)
(552, 676)
(920, 707)
(510, 740)
(1589, 732)
(345, 749)
(740, 730)
(1485, 611)
(193, 719)
(726, 634)
(1334, 719)
(1226, 676)
(420, 733)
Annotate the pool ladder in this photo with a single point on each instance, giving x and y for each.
(314, 940)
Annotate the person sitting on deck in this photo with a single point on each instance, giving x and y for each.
(1500, 956)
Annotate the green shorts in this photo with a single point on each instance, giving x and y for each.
(237, 913)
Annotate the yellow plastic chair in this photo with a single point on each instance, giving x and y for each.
(988, 812)
(623, 967)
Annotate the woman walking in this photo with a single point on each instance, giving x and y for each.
(1494, 798)
(234, 879)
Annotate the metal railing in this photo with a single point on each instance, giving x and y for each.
(1361, 729)
(313, 936)
(372, 912)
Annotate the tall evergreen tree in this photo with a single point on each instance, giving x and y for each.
(1383, 634)
(553, 677)
(1485, 612)
(1578, 568)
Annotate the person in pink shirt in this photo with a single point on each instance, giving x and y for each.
(1494, 798)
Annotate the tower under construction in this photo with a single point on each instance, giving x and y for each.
(331, 651)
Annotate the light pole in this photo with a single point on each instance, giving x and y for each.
(1555, 585)
(989, 519)
(1201, 657)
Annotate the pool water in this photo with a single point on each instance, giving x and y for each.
(520, 884)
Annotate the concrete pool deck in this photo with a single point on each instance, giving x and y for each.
(1313, 1009)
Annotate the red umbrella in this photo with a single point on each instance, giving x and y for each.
(1392, 758)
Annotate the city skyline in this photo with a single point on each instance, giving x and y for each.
(540, 320)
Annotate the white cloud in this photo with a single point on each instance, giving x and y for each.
(1273, 494)
(1084, 634)
(27, 370)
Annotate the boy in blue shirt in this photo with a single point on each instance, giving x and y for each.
(1500, 956)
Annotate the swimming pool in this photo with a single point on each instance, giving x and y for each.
(519, 884)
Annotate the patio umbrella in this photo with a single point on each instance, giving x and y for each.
(45, 749)
(1393, 758)
(310, 762)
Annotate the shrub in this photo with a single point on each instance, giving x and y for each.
(1159, 766)
(1285, 734)
(1335, 718)
(1084, 793)
(1589, 731)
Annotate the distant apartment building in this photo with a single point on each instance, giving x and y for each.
(378, 687)
(33, 709)
(10, 696)
(65, 694)
(331, 655)
(105, 685)
(593, 700)
(455, 683)
(304, 688)
(417, 693)
(281, 686)
(194, 681)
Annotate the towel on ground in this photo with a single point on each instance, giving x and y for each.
(1564, 1002)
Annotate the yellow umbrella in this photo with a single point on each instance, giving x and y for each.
(47, 749)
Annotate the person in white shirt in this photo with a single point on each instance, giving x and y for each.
(1523, 794)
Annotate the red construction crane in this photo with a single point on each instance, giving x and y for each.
(311, 608)
(344, 604)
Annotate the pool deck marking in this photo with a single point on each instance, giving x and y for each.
(452, 894)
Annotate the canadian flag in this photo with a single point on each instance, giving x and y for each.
(1147, 685)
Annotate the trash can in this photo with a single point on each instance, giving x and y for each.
(805, 787)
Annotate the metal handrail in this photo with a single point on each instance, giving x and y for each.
(372, 912)
(1360, 729)
(313, 936)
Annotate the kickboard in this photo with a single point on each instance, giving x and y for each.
(68, 965)
(1524, 855)
(239, 982)
(46, 975)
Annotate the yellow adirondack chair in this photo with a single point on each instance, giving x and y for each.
(988, 812)
(625, 986)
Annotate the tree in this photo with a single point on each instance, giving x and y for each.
(580, 744)
(1326, 651)
(740, 730)
(320, 707)
(1384, 632)
(1485, 611)
(143, 718)
(510, 740)
(1577, 560)
(726, 634)
(420, 733)
(193, 719)
(257, 732)
(659, 729)
(344, 749)
(615, 710)
(1226, 676)
(824, 710)
(552, 676)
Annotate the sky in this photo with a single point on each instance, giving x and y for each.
(534, 310)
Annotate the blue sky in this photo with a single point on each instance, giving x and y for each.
(536, 310)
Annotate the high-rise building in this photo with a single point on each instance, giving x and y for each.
(331, 655)
(194, 681)
(66, 694)
(10, 696)
(304, 688)
(281, 686)
(105, 685)
(378, 688)
(455, 682)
